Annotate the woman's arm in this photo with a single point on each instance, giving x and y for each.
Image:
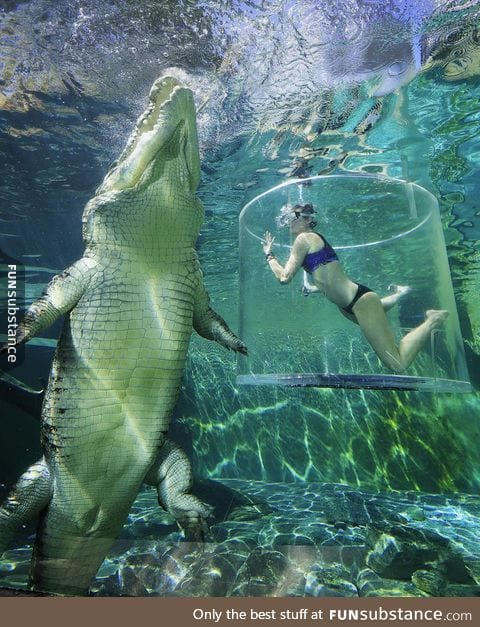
(294, 263)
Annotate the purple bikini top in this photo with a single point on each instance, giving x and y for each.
(320, 258)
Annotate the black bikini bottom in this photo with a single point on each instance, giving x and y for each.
(361, 290)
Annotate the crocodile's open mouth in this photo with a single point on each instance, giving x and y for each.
(160, 95)
(168, 106)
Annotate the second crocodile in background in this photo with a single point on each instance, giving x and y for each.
(130, 304)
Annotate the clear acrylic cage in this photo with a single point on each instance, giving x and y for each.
(386, 232)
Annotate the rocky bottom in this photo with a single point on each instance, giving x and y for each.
(272, 539)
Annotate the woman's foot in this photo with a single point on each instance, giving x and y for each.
(308, 288)
(399, 290)
(436, 317)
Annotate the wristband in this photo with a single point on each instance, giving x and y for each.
(270, 256)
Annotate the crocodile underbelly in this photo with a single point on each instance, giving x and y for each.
(116, 376)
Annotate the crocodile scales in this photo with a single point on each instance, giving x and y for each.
(130, 303)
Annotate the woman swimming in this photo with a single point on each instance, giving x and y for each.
(312, 252)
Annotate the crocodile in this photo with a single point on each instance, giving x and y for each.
(129, 306)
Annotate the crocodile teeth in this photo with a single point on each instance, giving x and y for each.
(161, 94)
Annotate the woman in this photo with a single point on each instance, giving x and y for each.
(313, 253)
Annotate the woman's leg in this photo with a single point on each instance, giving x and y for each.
(371, 317)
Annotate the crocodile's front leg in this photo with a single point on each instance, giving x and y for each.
(172, 476)
(210, 325)
(60, 296)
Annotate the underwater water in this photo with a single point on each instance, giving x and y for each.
(314, 490)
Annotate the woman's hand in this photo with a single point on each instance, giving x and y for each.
(267, 245)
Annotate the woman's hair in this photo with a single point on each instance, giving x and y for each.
(288, 213)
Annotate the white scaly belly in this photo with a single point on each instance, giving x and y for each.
(114, 383)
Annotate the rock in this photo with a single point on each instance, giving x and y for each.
(410, 514)
(346, 508)
(333, 581)
(206, 583)
(13, 592)
(131, 582)
(214, 575)
(456, 570)
(430, 581)
(472, 564)
(261, 574)
(273, 539)
(461, 590)
(398, 560)
(370, 584)
(107, 587)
